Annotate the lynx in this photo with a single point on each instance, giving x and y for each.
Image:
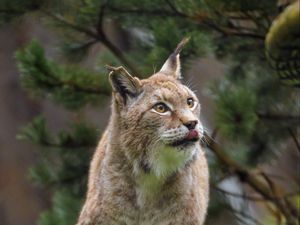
(148, 168)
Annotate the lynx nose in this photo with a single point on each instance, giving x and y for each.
(191, 124)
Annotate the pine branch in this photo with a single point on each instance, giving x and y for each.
(71, 25)
(230, 31)
(203, 20)
(71, 86)
(99, 35)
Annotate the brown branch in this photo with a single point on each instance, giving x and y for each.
(244, 216)
(119, 54)
(249, 178)
(274, 190)
(71, 25)
(295, 139)
(254, 198)
(175, 10)
(267, 116)
(99, 25)
(270, 183)
(246, 34)
(248, 197)
(100, 36)
(85, 45)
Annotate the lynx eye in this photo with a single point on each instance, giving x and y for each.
(190, 102)
(161, 107)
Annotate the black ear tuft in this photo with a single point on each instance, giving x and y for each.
(123, 83)
(172, 65)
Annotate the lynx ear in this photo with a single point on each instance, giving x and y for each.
(172, 65)
(123, 83)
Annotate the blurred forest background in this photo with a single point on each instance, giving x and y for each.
(243, 59)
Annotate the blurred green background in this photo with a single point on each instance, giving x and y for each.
(243, 61)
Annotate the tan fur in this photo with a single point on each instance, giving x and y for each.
(135, 177)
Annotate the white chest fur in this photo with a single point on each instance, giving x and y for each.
(164, 162)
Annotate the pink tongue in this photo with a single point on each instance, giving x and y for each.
(193, 134)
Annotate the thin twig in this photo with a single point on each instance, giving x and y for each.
(294, 139)
(71, 25)
(173, 7)
(254, 198)
(245, 216)
(267, 116)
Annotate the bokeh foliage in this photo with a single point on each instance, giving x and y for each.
(255, 112)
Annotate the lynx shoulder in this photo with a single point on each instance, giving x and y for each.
(149, 168)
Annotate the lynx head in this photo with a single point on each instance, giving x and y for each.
(156, 120)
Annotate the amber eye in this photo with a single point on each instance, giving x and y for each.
(190, 102)
(161, 107)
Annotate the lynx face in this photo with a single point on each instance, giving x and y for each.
(158, 118)
(175, 110)
(159, 123)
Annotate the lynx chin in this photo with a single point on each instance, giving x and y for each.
(149, 168)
